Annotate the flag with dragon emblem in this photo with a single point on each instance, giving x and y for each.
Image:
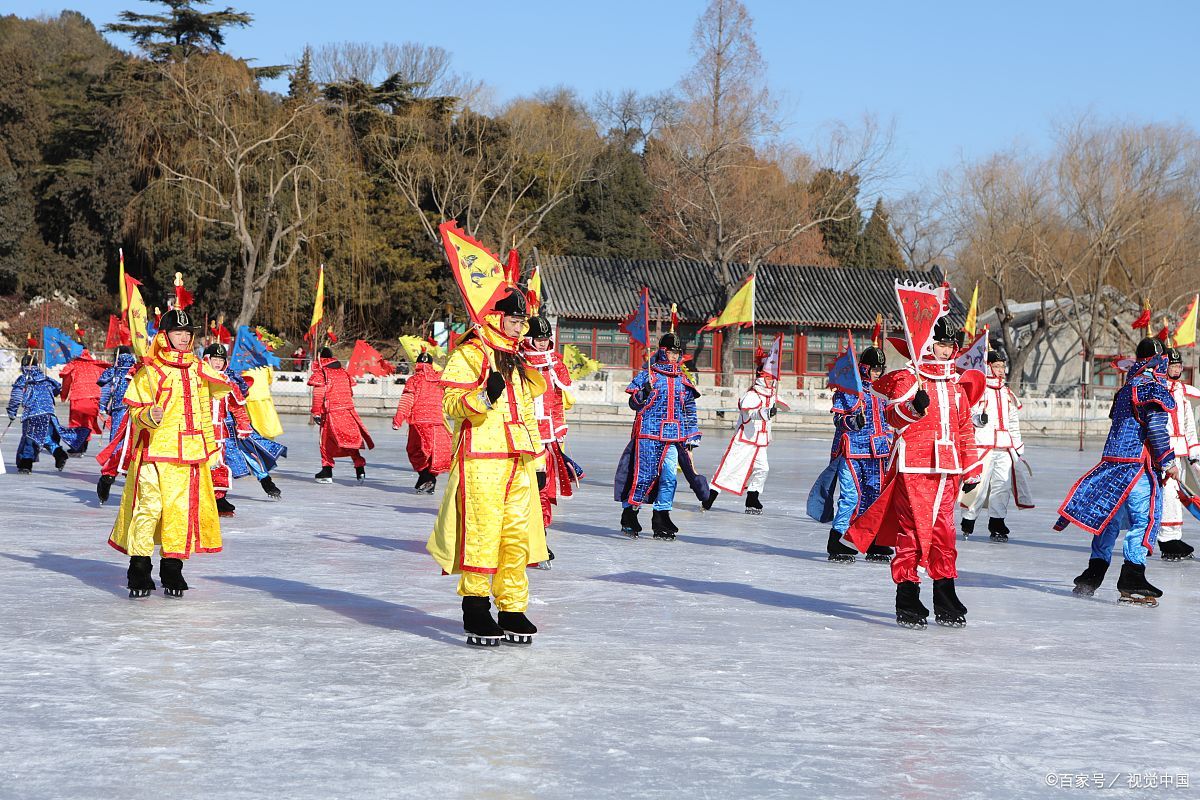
(479, 273)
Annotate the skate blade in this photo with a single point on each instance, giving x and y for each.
(998, 539)
(483, 641)
(1138, 600)
(176, 593)
(225, 513)
(754, 512)
(629, 532)
(834, 559)
(324, 480)
(1084, 591)
(878, 559)
(139, 594)
(912, 625)
(951, 622)
(1176, 559)
(665, 537)
(518, 638)
(543, 565)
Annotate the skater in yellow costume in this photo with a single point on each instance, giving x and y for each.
(489, 528)
(168, 500)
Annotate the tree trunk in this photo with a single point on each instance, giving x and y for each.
(251, 297)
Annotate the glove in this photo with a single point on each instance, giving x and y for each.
(643, 394)
(495, 385)
(690, 446)
(983, 418)
(857, 422)
(920, 401)
(773, 412)
(1194, 461)
(969, 486)
(317, 420)
(541, 479)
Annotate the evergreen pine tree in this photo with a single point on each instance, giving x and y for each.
(876, 247)
(183, 30)
(841, 235)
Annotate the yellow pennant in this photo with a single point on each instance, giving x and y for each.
(740, 308)
(973, 312)
(477, 271)
(1185, 334)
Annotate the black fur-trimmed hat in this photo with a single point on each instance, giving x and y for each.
(217, 349)
(944, 333)
(1149, 348)
(513, 304)
(176, 320)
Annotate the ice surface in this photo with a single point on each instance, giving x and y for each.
(321, 654)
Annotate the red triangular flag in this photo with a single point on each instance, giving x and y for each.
(366, 359)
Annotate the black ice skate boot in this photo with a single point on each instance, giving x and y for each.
(712, 498)
(481, 629)
(225, 508)
(138, 577)
(1090, 579)
(170, 572)
(997, 529)
(60, 458)
(967, 526)
(431, 484)
(103, 487)
(1177, 550)
(629, 522)
(24, 466)
(517, 627)
(270, 488)
(879, 554)
(360, 474)
(948, 610)
(752, 505)
(660, 523)
(325, 475)
(838, 552)
(1134, 588)
(910, 611)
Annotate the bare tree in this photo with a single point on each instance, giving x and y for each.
(499, 177)
(726, 194)
(427, 68)
(237, 158)
(920, 228)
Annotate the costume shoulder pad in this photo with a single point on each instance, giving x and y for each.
(1152, 393)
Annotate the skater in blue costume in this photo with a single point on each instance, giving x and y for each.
(862, 442)
(1124, 491)
(665, 401)
(33, 394)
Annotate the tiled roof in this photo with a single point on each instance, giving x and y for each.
(609, 289)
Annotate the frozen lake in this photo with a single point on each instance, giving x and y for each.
(321, 654)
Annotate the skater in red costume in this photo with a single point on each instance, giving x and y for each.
(343, 434)
(429, 444)
(934, 452)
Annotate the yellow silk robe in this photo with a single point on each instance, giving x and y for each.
(168, 498)
(490, 447)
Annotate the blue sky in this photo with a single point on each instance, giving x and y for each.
(959, 79)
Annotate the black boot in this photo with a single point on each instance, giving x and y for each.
(103, 487)
(660, 523)
(629, 522)
(879, 554)
(170, 572)
(225, 508)
(517, 627)
(712, 498)
(948, 610)
(270, 488)
(420, 481)
(360, 474)
(1177, 550)
(425, 482)
(1134, 587)
(1090, 579)
(60, 458)
(24, 466)
(910, 611)
(325, 475)
(138, 577)
(752, 505)
(839, 552)
(481, 629)
(967, 526)
(997, 529)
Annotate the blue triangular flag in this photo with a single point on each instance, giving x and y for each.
(249, 352)
(60, 348)
(638, 323)
(844, 374)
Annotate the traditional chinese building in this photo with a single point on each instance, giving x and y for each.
(813, 307)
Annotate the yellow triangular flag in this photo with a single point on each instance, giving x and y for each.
(318, 308)
(972, 313)
(739, 310)
(1185, 334)
(121, 281)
